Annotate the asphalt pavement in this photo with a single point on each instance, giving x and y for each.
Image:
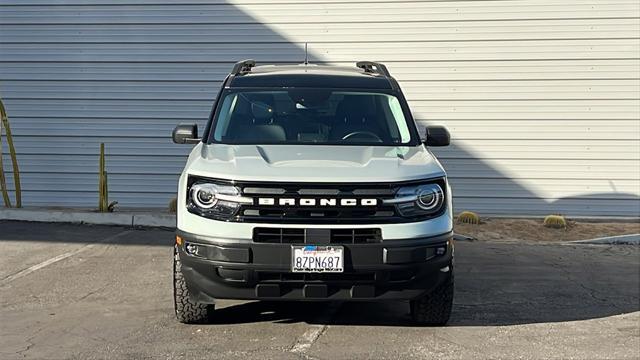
(98, 292)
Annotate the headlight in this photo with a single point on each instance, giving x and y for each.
(419, 200)
(216, 201)
(204, 195)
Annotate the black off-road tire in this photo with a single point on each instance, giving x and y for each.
(434, 308)
(187, 310)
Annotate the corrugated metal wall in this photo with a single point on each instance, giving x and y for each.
(542, 97)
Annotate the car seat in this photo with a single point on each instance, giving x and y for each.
(355, 113)
(261, 127)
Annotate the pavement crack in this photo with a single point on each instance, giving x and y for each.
(593, 293)
(30, 344)
(95, 291)
(440, 337)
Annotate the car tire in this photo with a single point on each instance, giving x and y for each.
(187, 310)
(434, 308)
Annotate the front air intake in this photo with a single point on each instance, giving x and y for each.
(298, 236)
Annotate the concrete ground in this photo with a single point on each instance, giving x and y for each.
(93, 292)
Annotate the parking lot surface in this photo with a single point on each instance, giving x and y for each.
(89, 292)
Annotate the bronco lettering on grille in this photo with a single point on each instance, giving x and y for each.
(316, 202)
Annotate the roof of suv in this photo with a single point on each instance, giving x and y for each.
(307, 75)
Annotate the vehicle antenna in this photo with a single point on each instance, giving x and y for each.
(306, 58)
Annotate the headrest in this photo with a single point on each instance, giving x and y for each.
(261, 112)
(355, 108)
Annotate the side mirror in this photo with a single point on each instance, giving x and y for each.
(437, 136)
(185, 134)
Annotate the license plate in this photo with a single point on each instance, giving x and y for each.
(317, 259)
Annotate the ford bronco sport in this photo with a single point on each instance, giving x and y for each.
(312, 183)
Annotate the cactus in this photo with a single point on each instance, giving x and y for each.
(103, 189)
(14, 161)
(555, 221)
(469, 217)
(3, 182)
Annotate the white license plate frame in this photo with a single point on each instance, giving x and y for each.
(317, 259)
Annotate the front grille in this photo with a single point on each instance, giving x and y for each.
(314, 215)
(355, 236)
(278, 236)
(298, 236)
(333, 214)
(320, 203)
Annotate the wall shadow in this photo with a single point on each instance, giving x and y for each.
(154, 76)
(23, 231)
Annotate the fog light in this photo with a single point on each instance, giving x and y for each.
(441, 251)
(192, 249)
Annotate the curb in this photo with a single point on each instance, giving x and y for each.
(584, 218)
(86, 217)
(460, 237)
(632, 239)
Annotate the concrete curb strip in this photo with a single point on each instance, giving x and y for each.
(154, 220)
(632, 239)
(87, 217)
(460, 237)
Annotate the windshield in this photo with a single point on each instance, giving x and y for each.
(310, 116)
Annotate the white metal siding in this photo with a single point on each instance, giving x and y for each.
(542, 97)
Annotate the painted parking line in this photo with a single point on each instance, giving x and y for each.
(55, 259)
(304, 342)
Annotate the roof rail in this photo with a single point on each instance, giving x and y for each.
(243, 66)
(373, 67)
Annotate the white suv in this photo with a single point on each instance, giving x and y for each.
(312, 183)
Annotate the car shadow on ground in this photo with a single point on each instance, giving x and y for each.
(496, 284)
(397, 313)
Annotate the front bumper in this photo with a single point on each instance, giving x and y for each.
(393, 270)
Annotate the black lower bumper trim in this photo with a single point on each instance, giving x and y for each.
(268, 291)
(392, 270)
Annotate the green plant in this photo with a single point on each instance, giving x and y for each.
(3, 182)
(14, 161)
(555, 221)
(469, 217)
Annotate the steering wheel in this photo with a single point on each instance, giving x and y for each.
(365, 133)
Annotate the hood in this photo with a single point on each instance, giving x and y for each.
(313, 163)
